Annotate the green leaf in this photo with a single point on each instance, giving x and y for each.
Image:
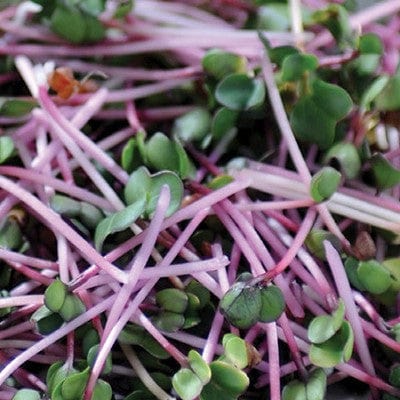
(130, 157)
(51, 373)
(169, 321)
(386, 176)
(118, 221)
(224, 121)
(123, 9)
(394, 376)
(65, 205)
(57, 374)
(136, 335)
(187, 384)
(235, 351)
(294, 390)
(239, 92)
(316, 385)
(172, 299)
(272, 303)
(335, 18)
(232, 380)
(91, 358)
(193, 125)
(27, 394)
(370, 43)
(346, 155)
(315, 242)
(102, 391)
(314, 117)
(138, 186)
(69, 23)
(324, 184)
(74, 385)
(373, 276)
(280, 53)
(199, 291)
(95, 30)
(54, 295)
(46, 321)
(389, 97)
(373, 91)
(219, 63)
(274, 17)
(10, 234)
(71, 308)
(241, 305)
(186, 168)
(175, 185)
(199, 366)
(90, 215)
(6, 148)
(335, 350)
(15, 107)
(161, 153)
(324, 327)
(350, 266)
(295, 66)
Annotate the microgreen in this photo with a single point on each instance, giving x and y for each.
(214, 214)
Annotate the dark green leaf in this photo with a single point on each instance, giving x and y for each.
(172, 299)
(351, 265)
(370, 43)
(324, 184)
(314, 117)
(65, 205)
(219, 63)
(46, 321)
(118, 221)
(16, 107)
(389, 97)
(335, 18)
(239, 92)
(294, 66)
(394, 376)
(91, 358)
(223, 122)
(136, 335)
(241, 305)
(199, 291)
(169, 321)
(272, 303)
(280, 53)
(69, 23)
(131, 158)
(386, 176)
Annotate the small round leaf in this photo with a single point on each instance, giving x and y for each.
(199, 366)
(272, 303)
(54, 295)
(240, 92)
(187, 384)
(373, 276)
(172, 299)
(27, 394)
(324, 184)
